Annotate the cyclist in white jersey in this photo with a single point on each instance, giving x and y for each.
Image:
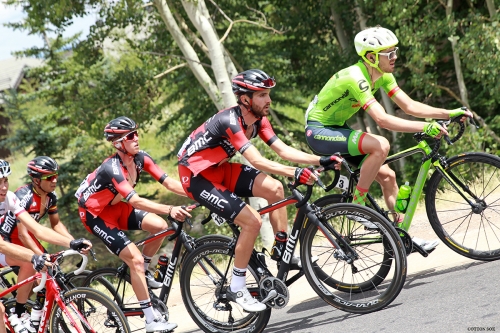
(14, 255)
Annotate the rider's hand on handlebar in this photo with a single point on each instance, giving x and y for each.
(180, 212)
(81, 245)
(434, 130)
(331, 162)
(40, 262)
(305, 176)
(461, 112)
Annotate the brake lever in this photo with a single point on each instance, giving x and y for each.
(92, 253)
(318, 181)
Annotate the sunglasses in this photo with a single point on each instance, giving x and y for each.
(390, 55)
(50, 177)
(129, 137)
(269, 83)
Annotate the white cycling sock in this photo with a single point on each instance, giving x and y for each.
(147, 308)
(147, 261)
(238, 280)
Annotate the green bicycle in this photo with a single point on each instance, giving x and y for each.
(461, 198)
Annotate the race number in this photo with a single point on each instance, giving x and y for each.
(219, 220)
(343, 183)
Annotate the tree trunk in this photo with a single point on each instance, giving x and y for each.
(339, 27)
(491, 8)
(389, 108)
(215, 48)
(189, 53)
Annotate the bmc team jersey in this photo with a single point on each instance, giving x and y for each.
(219, 138)
(31, 201)
(101, 186)
(9, 210)
(345, 93)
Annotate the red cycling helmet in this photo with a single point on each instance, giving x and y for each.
(119, 127)
(251, 81)
(42, 165)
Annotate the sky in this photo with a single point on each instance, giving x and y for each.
(11, 40)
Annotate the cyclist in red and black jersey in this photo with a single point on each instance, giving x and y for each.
(210, 179)
(39, 199)
(109, 204)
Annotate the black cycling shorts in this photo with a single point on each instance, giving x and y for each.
(111, 221)
(219, 188)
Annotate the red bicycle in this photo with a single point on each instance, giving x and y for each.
(80, 310)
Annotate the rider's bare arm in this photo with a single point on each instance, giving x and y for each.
(384, 120)
(15, 251)
(58, 226)
(174, 186)
(26, 239)
(41, 232)
(150, 206)
(418, 109)
(261, 163)
(293, 155)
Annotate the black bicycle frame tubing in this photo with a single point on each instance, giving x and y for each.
(456, 184)
(172, 265)
(153, 237)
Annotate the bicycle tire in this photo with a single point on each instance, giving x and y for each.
(473, 235)
(369, 284)
(203, 297)
(354, 287)
(104, 316)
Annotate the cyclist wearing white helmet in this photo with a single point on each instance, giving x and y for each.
(11, 214)
(352, 89)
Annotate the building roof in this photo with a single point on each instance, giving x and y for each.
(12, 71)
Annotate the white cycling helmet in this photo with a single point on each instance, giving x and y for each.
(4, 169)
(374, 40)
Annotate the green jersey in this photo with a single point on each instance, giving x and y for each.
(346, 92)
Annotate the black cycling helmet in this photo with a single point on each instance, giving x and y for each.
(251, 81)
(4, 169)
(119, 127)
(42, 165)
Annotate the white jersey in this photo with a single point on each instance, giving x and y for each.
(9, 210)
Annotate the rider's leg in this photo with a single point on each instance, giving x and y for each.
(153, 224)
(2, 323)
(249, 222)
(26, 270)
(377, 148)
(272, 190)
(386, 177)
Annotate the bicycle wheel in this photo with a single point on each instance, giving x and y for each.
(376, 274)
(203, 291)
(100, 312)
(473, 233)
(369, 283)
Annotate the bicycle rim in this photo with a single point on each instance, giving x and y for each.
(373, 280)
(474, 234)
(203, 292)
(99, 312)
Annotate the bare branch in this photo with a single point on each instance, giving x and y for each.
(170, 70)
(231, 22)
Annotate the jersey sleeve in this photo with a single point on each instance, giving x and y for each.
(361, 89)
(13, 204)
(231, 128)
(118, 179)
(151, 167)
(266, 132)
(390, 85)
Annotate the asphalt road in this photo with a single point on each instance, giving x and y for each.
(443, 293)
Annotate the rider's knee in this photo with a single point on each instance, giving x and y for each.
(137, 263)
(275, 191)
(386, 176)
(249, 222)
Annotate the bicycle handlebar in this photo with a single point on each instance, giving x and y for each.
(54, 258)
(180, 223)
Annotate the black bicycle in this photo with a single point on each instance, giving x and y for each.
(341, 260)
(115, 282)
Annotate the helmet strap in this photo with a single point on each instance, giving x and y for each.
(121, 148)
(373, 64)
(38, 186)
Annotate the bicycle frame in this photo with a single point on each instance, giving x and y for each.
(52, 296)
(438, 162)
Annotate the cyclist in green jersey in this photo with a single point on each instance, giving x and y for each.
(352, 88)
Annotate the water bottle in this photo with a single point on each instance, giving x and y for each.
(36, 314)
(279, 245)
(403, 198)
(40, 297)
(161, 268)
(15, 322)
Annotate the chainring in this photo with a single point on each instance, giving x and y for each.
(271, 283)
